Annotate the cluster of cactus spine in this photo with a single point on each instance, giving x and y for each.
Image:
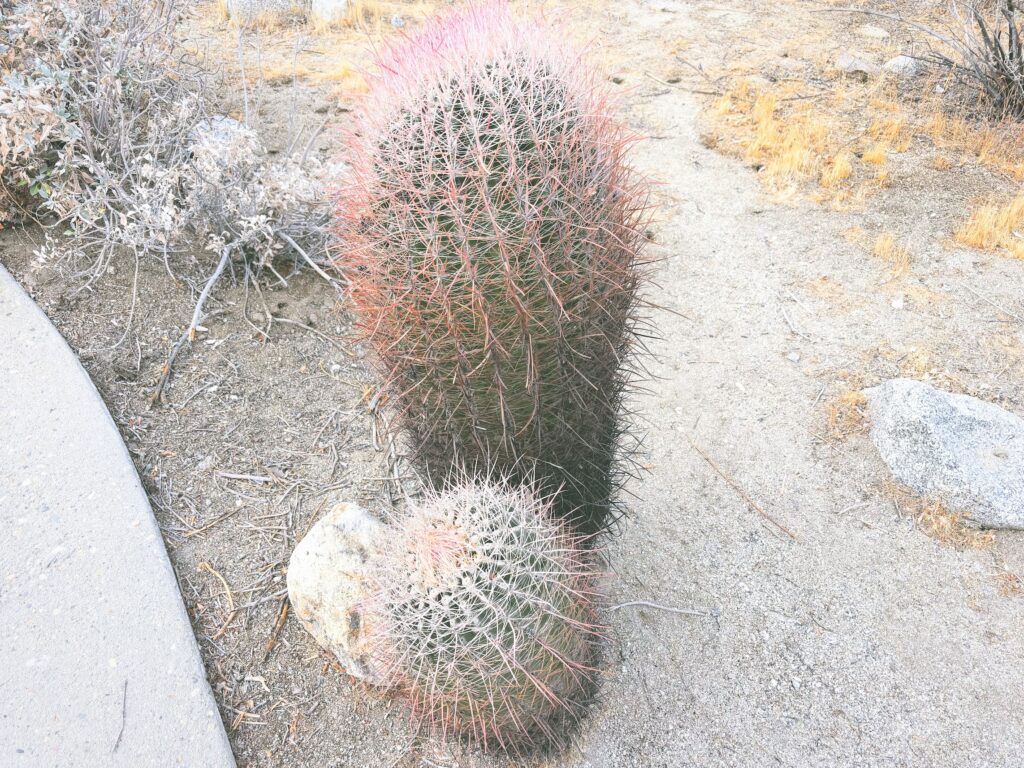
(493, 233)
(486, 616)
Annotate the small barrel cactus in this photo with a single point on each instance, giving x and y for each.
(485, 616)
(492, 232)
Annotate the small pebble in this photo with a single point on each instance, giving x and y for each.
(793, 357)
(869, 30)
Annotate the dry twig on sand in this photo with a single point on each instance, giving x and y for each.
(750, 502)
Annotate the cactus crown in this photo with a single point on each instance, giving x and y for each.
(494, 230)
(486, 612)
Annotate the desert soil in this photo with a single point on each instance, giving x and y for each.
(843, 633)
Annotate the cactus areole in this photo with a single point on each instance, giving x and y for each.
(492, 235)
(485, 614)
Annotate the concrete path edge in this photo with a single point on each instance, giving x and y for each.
(98, 662)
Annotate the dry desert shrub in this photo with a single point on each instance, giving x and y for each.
(106, 139)
(988, 52)
(97, 99)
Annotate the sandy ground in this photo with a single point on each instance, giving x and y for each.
(862, 641)
(845, 634)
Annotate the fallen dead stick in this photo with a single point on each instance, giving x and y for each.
(204, 566)
(682, 87)
(250, 478)
(989, 301)
(209, 525)
(750, 502)
(714, 613)
(323, 336)
(316, 267)
(193, 326)
(272, 640)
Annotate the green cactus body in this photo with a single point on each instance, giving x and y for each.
(487, 616)
(494, 233)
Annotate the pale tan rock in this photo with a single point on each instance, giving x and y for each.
(328, 586)
(329, 11)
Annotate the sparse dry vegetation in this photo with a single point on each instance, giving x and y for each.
(124, 157)
(949, 528)
(834, 144)
(986, 49)
(897, 256)
(114, 150)
(1010, 584)
(883, 246)
(847, 414)
(809, 144)
(994, 227)
(800, 142)
(788, 147)
(997, 146)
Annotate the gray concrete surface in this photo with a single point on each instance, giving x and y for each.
(98, 663)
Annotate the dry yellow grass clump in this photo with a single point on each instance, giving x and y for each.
(813, 145)
(945, 526)
(997, 146)
(891, 130)
(837, 170)
(347, 77)
(817, 143)
(993, 227)
(887, 249)
(875, 155)
(846, 414)
(884, 247)
(1009, 584)
(788, 149)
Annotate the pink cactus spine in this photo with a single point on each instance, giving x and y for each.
(485, 616)
(492, 235)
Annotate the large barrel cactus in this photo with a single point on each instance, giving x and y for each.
(485, 616)
(493, 232)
